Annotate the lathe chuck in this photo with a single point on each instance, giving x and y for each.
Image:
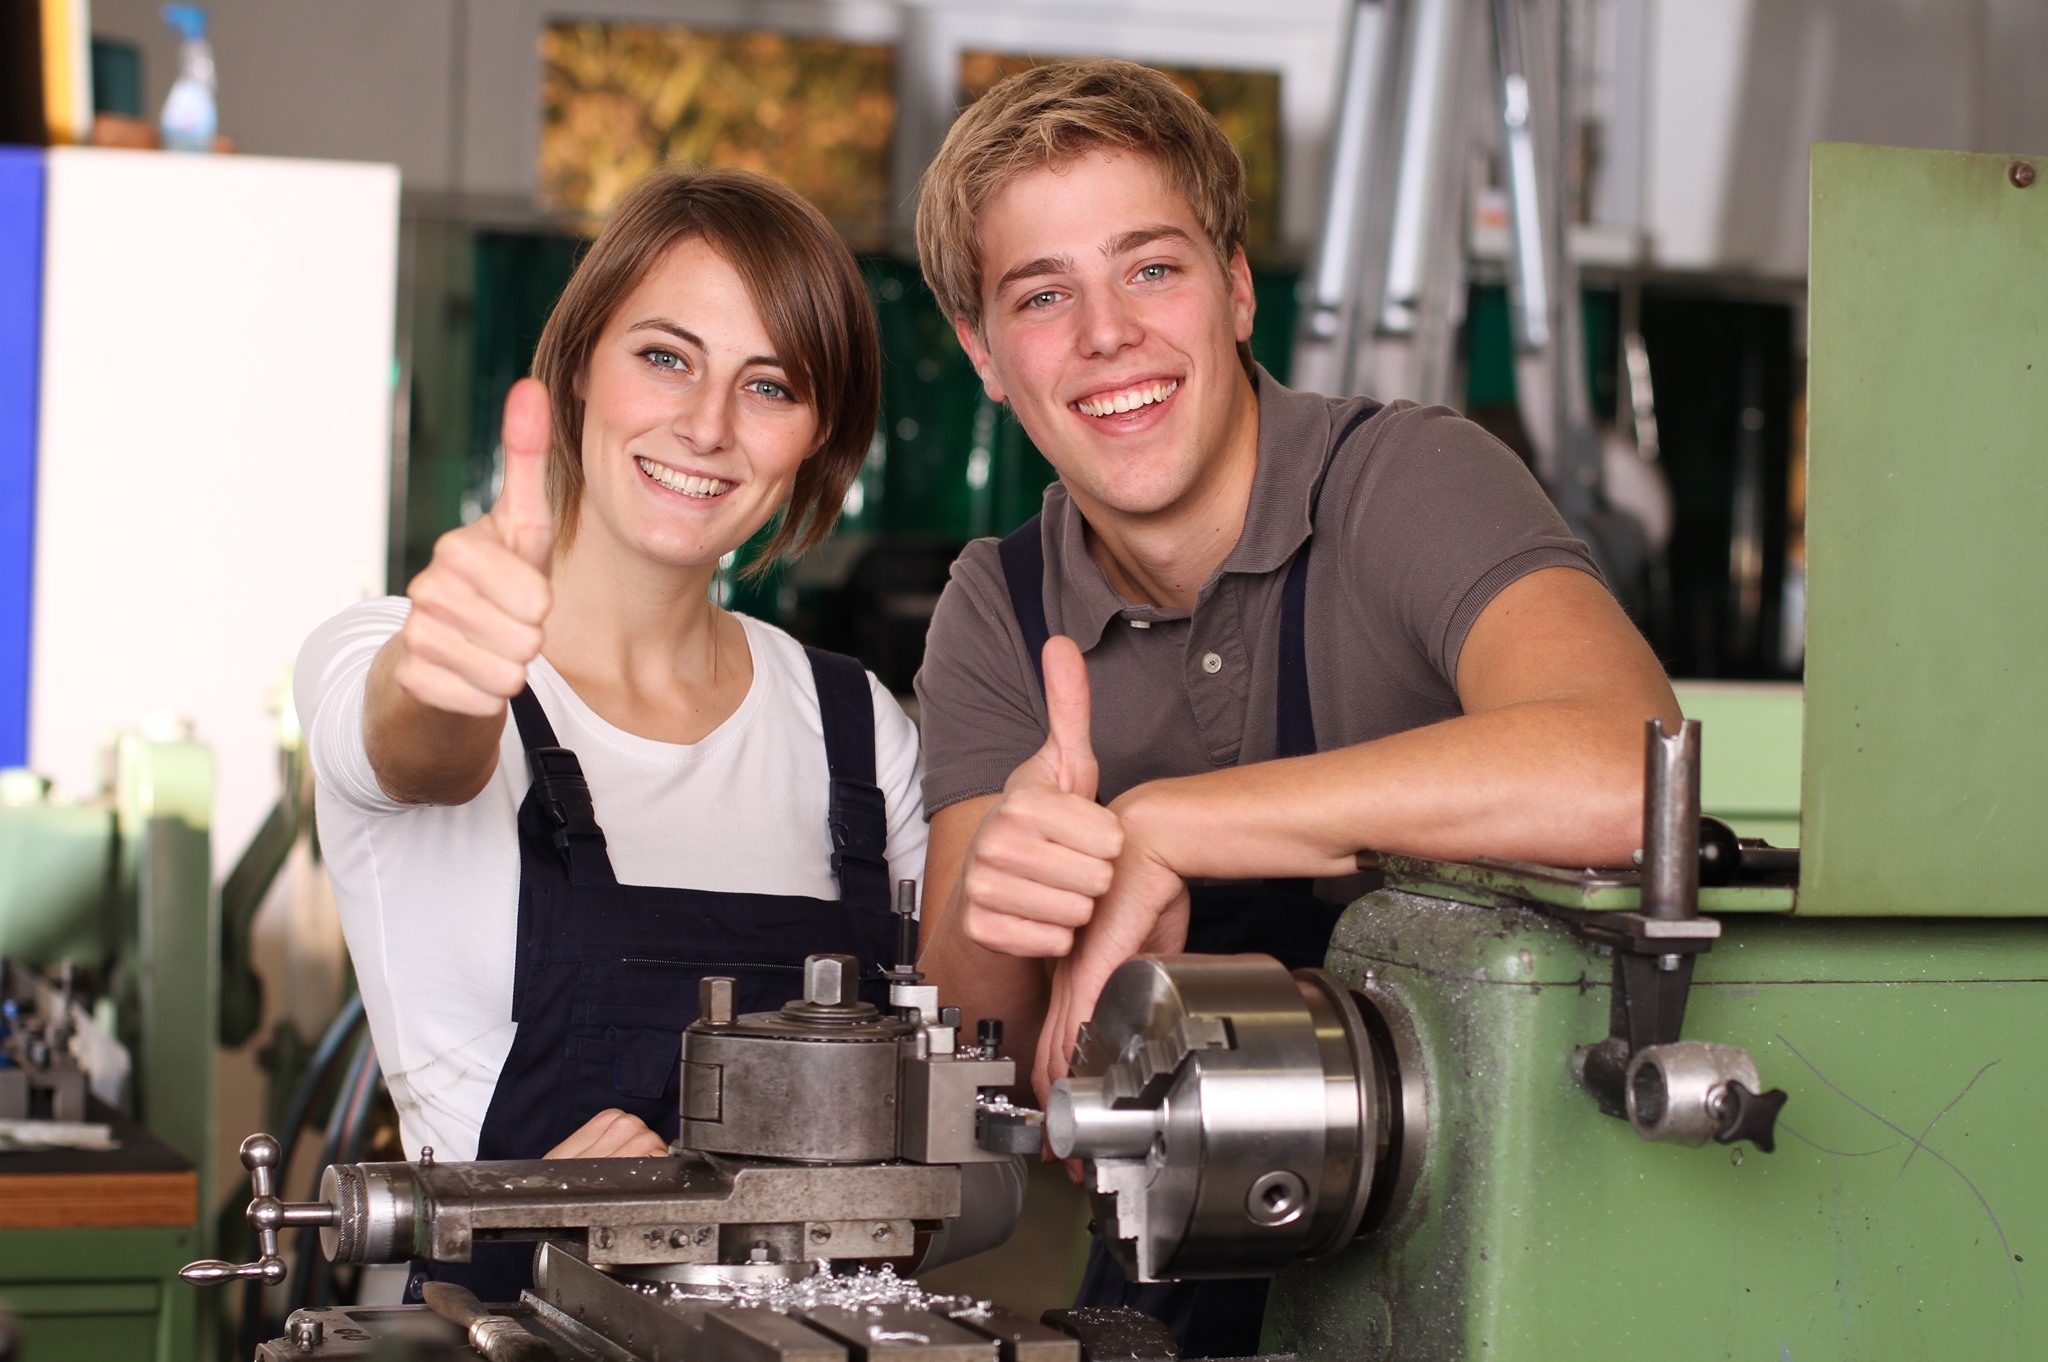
(1236, 1117)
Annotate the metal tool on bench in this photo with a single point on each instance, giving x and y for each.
(831, 1132)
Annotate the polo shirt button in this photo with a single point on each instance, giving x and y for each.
(1211, 663)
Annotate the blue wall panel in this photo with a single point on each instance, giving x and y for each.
(21, 288)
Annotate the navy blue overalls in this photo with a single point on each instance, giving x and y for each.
(606, 974)
(1281, 918)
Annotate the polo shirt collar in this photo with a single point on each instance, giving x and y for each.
(1294, 444)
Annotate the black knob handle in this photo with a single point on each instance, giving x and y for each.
(1747, 1115)
(1720, 852)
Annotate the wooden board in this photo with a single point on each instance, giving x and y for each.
(81, 1201)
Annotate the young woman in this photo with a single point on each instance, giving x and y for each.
(680, 791)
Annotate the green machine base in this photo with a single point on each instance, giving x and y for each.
(1896, 1218)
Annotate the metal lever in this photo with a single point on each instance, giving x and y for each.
(495, 1337)
(267, 1214)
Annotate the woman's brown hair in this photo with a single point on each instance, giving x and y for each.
(805, 285)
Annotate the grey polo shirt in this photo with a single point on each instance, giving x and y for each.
(1422, 519)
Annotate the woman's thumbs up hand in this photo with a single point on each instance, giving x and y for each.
(479, 606)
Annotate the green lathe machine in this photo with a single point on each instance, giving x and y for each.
(1457, 1173)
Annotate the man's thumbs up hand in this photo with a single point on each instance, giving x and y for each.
(1046, 849)
(478, 608)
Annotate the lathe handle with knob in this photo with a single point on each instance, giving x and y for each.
(1747, 1115)
(267, 1215)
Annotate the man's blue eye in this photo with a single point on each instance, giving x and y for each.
(1154, 271)
(1046, 299)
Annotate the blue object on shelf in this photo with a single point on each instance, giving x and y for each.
(21, 310)
(190, 117)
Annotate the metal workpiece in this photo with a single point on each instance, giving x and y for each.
(1671, 820)
(1234, 1117)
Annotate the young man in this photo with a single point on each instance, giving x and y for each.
(1276, 629)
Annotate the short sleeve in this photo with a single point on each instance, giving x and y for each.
(328, 685)
(1438, 518)
(977, 693)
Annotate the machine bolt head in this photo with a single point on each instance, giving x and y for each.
(679, 1238)
(2021, 173)
(717, 1000)
(880, 1232)
(820, 1233)
(831, 980)
(307, 1333)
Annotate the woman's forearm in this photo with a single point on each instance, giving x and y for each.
(421, 754)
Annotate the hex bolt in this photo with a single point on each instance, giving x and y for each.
(830, 980)
(717, 1000)
(1667, 963)
(679, 1238)
(307, 1333)
(2021, 173)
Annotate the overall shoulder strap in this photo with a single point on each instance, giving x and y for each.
(1023, 556)
(1296, 724)
(1295, 734)
(857, 812)
(564, 795)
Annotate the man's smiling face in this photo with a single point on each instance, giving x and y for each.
(1111, 328)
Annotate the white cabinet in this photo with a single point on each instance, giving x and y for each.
(214, 455)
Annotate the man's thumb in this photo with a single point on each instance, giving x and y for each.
(524, 518)
(1067, 713)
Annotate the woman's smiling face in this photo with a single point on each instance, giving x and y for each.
(692, 432)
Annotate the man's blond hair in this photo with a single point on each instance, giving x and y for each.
(1047, 116)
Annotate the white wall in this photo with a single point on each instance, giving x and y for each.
(1740, 89)
(214, 457)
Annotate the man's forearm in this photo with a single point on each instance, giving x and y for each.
(1545, 764)
(1557, 783)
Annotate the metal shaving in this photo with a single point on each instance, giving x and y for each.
(862, 1290)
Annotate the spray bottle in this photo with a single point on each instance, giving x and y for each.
(189, 118)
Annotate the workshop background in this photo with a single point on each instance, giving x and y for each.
(240, 391)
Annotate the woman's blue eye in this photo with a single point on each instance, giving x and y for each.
(768, 387)
(663, 359)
